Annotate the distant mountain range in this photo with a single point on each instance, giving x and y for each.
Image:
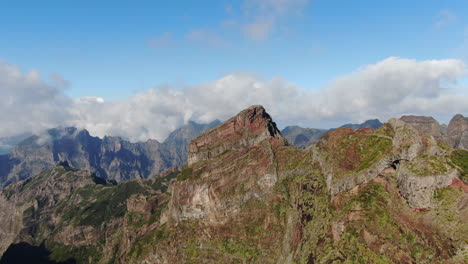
(371, 123)
(8, 143)
(111, 158)
(116, 159)
(304, 137)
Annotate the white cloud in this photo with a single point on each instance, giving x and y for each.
(396, 86)
(28, 103)
(445, 17)
(389, 88)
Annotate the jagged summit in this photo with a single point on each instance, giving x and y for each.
(247, 128)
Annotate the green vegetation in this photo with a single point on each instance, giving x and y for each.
(28, 214)
(358, 151)
(145, 244)
(385, 130)
(241, 249)
(84, 254)
(34, 182)
(311, 193)
(189, 173)
(448, 195)
(354, 250)
(371, 149)
(459, 158)
(8, 193)
(374, 199)
(162, 183)
(380, 224)
(282, 187)
(425, 165)
(447, 199)
(110, 203)
(136, 219)
(441, 145)
(185, 174)
(89, 191)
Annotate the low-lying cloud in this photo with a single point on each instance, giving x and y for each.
(389, 88)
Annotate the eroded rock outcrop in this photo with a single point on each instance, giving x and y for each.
(351, 158)
(457, 132)
(454, 135)
(424, 124)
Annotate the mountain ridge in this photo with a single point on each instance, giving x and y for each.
(389, 195)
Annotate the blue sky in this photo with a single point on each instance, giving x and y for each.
(140, 69)
(113, 49)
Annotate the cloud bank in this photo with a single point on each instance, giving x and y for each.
(389, 88)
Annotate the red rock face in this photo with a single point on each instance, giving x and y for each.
(457, 132)
(247, 128)
(459, 184)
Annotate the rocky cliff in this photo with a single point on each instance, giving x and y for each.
(457, 132)
(454, 135)
(415, 161)
(75, 215)
(424, 124)
(249, 127)
(389, 195)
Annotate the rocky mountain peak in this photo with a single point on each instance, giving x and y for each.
(424, 124)
(457, 132)
(249, 127)
(459, 117)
